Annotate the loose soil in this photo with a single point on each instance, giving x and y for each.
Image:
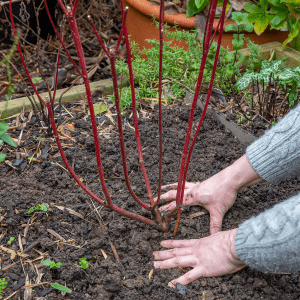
(67, 235)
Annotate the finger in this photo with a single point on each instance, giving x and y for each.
(175, 185)
(178, 261)
(167, 254)
(179, 243)
(186, 278)
(168, 196)
(169, 206)
(215, 223)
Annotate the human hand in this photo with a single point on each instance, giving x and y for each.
(211, 194)
(210, 256)
(216, 194)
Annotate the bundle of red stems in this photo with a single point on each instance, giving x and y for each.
(162, 222)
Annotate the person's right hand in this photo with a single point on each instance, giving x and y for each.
(211, 194)
(216, 194)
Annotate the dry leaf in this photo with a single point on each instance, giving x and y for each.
(56, 235)
(70, 211)
(197, 214)
(151, 273)
(104, 254)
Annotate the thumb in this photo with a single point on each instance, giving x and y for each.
(215, 222)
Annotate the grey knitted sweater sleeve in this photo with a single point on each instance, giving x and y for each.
(270, 242)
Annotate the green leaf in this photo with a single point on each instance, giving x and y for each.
(47, 262)
(261, 25)
(1, 142)
(8, 140)
(252, 8)
(60, 287)
(264, 5)
(4, 127)
(237, 44)
(248, 27)
(238, 17)
(99, 108)
(2, 157)
(295, 3)
(31, 210)
(200, 3)
(231, 27)
(192, 8)
(43, 207)
(37, 79)
(275, 2)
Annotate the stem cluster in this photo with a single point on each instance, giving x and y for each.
(160, 221)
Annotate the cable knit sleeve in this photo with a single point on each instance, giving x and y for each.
(275, 156)
(270, 242)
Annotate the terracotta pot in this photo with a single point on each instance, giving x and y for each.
(141, 27)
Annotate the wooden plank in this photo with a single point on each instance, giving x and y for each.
(77, 92)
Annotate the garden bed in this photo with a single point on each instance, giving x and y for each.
(67, 235)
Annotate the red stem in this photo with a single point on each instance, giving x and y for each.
(161, 43)
(80, 54)
(192, 112)
(207, 98)
(120, 129)
(134, 114)
(67, 14)
(57, 67)
(112, 207)
(21, 55)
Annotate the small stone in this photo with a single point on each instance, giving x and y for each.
(259, 283)
(282, 282)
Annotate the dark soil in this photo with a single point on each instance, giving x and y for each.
(92, 235)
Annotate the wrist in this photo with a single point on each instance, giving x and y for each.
(234, 257)
(241, 174)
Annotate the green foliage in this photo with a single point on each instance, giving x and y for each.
(195, 6)
(60, 287)
(50, 263)
(180, 67)
(83, 263)
(279, 14)
(42, 207)
(11, 239)
(3, 285)
(238, 38)
(99, 108)
(288, 79)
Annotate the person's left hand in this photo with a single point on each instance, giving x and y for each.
(210, 256)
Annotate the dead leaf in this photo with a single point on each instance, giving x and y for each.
(104, 254)
(197, 214)
(151, 273)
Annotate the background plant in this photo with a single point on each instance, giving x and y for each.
(287, 78)
(11, 239)
(178, 61)
(3, 285)
(41, 207)
(51, 264)
(279, 14)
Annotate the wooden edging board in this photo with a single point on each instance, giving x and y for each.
(106, 86)
(77, 92)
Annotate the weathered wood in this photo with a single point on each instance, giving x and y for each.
(75, 93)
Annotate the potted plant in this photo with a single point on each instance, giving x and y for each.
(274, 20)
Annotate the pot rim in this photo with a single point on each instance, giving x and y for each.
(147, 8)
